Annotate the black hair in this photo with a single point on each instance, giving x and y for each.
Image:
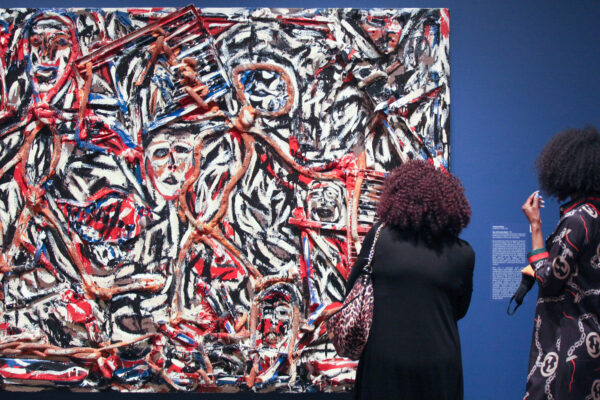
(569, 164)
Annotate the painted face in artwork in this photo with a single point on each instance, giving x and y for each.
(169, 160)
(50, 49)
(325, 203)
(276, 318)
(384, 31)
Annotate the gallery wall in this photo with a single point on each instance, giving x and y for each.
(520, 71)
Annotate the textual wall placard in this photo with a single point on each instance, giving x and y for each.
(183, 191)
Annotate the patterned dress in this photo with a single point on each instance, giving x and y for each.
(564, 361)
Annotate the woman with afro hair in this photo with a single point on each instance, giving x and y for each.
(422, 283)
(564, 362)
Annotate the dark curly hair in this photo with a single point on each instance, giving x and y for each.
(569, 164)
(419, 199)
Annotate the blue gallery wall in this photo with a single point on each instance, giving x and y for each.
(520, 71)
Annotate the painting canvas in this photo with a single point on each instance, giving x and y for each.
(183, 191)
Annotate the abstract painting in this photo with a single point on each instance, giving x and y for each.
(183, 191)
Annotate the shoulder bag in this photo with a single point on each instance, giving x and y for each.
(349, 326)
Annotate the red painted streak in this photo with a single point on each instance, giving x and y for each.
(79, 311)
(305, 179)
(294, 145)
(19, 178)
(351, 54)
(199, 265)
(445, 22)
(216, 26)
(227, 273)
(220, 185)
(66, 376)
(228, 230)
(327, 365)
(429, 95)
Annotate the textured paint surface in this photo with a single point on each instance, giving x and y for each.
(183, 192)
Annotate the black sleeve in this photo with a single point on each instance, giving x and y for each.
(464, 299)
(554, 266)
(363, 257)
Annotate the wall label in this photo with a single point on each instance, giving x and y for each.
(508, 258)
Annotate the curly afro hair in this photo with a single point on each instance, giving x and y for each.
(422, 200)
(569, 164)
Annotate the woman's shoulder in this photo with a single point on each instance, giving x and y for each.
(463, 244)
(582, 216)
(585, 209)
(465, 250)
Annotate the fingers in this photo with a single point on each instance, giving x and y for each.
(529, 202)
(539, 200)
(535, 203)
(533, 195)
(535, 200)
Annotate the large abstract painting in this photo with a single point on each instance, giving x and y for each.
(183, 191)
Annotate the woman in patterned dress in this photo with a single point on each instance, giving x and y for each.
(564, 360)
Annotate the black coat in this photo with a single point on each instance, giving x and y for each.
(564, 362)
(420, 291)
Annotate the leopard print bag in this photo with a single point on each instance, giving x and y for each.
(349, 326)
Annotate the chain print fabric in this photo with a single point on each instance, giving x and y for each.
(564, 361)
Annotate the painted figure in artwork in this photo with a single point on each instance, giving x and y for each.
(41, 78)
